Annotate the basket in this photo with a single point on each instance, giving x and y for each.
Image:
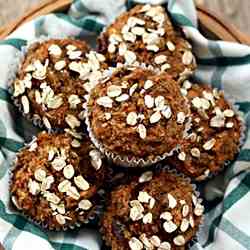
(210, 24)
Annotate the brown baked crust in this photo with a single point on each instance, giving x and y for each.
(178, 70)
(122, 138)
(227, 139)
(118, 227)
(64, 86)
(36, 205)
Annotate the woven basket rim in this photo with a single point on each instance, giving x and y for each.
(208, 20)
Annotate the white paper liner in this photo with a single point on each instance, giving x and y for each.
(94, 215)
(124, 161)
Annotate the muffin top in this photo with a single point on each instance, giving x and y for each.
(145, 36)
(53, 80)
(214, 134)
(55, 184)
(155, 211)
(137, 113)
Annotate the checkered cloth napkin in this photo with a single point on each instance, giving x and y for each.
(224, 65)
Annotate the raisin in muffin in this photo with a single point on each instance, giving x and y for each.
(154, 211)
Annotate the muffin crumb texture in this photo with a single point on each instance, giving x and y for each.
(137, 113)
(158, 211)
(144, 36)
(54, 185)
(214, 133)
(54, 80)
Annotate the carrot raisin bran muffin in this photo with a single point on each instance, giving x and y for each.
(53, 80)
(56, 185)
(145, 36)
(157, 211)
(136, 114)
(214, 135)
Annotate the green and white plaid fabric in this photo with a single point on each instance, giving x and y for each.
(225, 65)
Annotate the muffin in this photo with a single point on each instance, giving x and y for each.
(137, 117)
(53, 80)
(145, 36)
(154, 211)
(214, 135)
(56, 185)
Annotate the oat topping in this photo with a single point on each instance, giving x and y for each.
(146, 176)
(25, 103)
(147, 218)
(56, 179)
(81, 68)
(187, 57)
(139, 212)
(142, 131)
(182, 156)
(150, 30)
(85, 204)
(60, 65)
(160, 59)
(114, 91)
(55, 50)
(179, 240)
(135, 244)
(164, 246)
(184, 225)
(40, 174)
(34, 187)
(170, 46)
(81, 183)
(171, 201)
(132, 118)
(209, 144)
(105, 101)
(96, 159)
(166, 216)
(148, 84)
(181, 117)
(68, 171)
(195, 152)
(170, 224)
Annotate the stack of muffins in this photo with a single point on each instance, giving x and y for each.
(131, 103)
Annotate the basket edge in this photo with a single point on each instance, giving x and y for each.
(207, 18)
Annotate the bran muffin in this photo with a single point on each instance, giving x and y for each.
(136, 115)
(155, 211)
(53, 80)
(145, 36)
(214, 135)
(56, 185)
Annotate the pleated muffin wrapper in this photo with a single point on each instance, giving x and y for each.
(92, 219)
(35, 119)
(157, 169)
(243, 130)
(124, 161)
